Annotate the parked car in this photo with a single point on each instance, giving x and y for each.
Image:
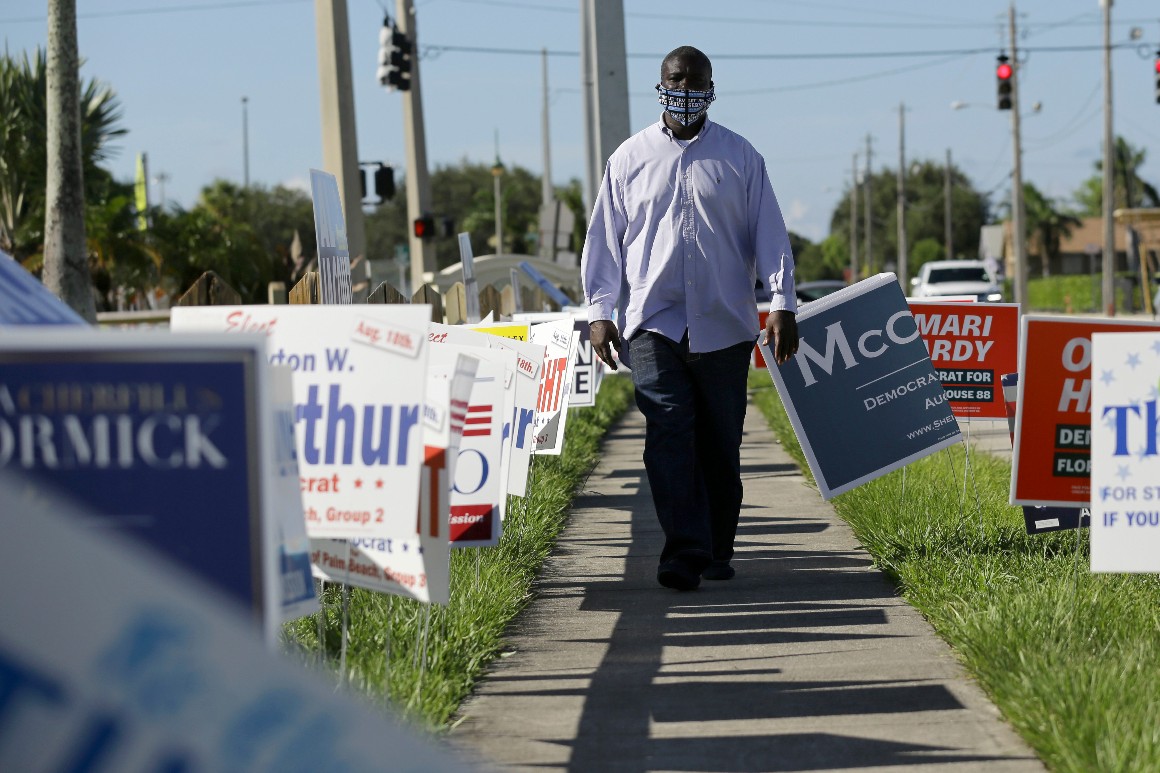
(956, 277)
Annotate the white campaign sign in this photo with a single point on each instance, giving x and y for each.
(298, 597)
(418, 570)
(124, 662)
(518, 428)
(1125, 458)
(555, 377)
(360, 374)
(478, 483)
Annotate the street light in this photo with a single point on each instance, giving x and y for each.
(497, 171)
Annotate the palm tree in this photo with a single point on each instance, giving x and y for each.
(1046, 222)
(1130, 189)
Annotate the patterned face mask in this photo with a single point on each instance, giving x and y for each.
(685, 106)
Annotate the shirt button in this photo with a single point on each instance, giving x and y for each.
(690, 283)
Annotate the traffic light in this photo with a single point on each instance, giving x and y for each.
(1156, 75)
(425, 227)
(385, 183)
(1003, 73)
(394, 58)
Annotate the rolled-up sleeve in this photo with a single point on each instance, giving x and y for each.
(771, 247)
(602, 261)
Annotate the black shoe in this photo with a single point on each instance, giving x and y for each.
(678, 576)
(719, 570)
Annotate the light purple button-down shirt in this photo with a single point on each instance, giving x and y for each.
(679, 235)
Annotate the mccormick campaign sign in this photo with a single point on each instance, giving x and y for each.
(166, 439)
(1038, 519)
(861, 392)
(113, 659)
(360, 375)
(970, 346)
(1051, 464)
(1126, 452)
(334, 281)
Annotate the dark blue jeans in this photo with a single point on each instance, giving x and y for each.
(694, 409)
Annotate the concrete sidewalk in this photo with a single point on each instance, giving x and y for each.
(807, 660)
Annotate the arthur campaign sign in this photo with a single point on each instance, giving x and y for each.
(112, 659)
(861, 392)
(360, 375)
(970, 346)
(167, 439)
(1052, 458)
(1126, 452)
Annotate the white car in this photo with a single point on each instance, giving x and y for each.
(956, 277)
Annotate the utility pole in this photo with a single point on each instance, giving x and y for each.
(588, 105)
(339, 139)
(608, 63)
(1109, 268)
(948, 231)
(245, 142)
(902, 268)
(869, 257)
(1017, 228)
(854, 221)
(547, 193)
(414, 136)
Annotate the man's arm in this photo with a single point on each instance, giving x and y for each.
(775, 264)
(602, 267)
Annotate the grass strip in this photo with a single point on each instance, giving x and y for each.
(1069, 657)
(489, 587)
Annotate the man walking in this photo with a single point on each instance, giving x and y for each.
(685, 223)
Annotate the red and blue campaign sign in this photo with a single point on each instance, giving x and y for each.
(970, 346)
(165, 438)
(861, 392)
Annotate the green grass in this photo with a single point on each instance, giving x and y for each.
(489, 586)
(1074, 293)
(1072, 659)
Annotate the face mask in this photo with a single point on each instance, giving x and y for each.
(684, 106)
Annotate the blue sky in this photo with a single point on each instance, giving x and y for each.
(181, 68)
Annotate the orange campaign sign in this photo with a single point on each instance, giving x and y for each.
(970, 346)
(1051, 464)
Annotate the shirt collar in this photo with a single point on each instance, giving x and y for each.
(668, 133)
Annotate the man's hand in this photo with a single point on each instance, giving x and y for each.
(781, 330)
(604, 336)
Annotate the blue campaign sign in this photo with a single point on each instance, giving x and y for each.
(25, 301)
(160, 435)
(553, 292)
(861, 393)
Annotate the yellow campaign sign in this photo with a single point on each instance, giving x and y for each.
(141, 191)
(516, 331)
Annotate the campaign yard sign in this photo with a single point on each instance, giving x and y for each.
(117, 660)
(359, 381)
(334, 280)
(478, 474)
(560, 341)
(1051, 464)
(970, 346)
(518, 431)
(169, 440)
(24, 300)
(861, 393)
(1039, 519)
(1126, 452)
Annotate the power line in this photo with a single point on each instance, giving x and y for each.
(156, 11)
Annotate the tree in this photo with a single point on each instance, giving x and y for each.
(23, 148)
(1045, 224)
(924, 213)
(66, 265)
(1130, 189)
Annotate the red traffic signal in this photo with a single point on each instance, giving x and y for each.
(1003, 73)
(424, 227)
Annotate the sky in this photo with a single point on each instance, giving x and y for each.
(805, 82)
